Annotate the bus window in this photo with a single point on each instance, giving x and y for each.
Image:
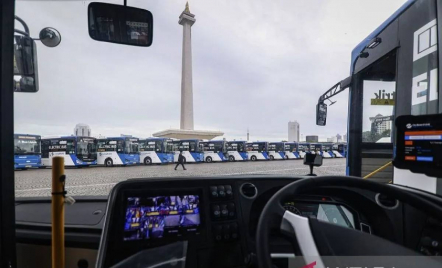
(379, 88)
(120, 146)
(192, 146)
(45, 148)
(70, 146)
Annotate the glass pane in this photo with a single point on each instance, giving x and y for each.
(378, 103)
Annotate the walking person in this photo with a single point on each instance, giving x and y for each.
(180, 161)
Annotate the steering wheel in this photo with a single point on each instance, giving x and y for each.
(317, 238)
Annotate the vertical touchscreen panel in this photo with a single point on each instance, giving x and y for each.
(161, 216)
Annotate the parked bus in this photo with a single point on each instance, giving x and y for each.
(316, 148)
(77, 150)
(191, 149)
(118, 151)
(291, 150)
(214, 151)
(303, 148)
(236, 151)
(327, 150)
(340, 150)
(156, 151)
(276, 150)
(27, 151)
(257, 150)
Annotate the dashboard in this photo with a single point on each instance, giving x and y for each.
(217, 219)
(217, 215)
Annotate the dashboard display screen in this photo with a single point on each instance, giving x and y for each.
(419, 144)
(161, 216)
(332, 213)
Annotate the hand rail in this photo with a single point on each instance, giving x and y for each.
(378, 170)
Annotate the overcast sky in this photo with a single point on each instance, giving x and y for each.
(256, 65)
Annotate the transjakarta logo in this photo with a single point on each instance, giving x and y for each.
(424, 125)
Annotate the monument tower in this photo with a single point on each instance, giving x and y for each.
(186, 130)
(187, 19)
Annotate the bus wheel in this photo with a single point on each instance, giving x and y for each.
(42, 167)
(108, 162)
(286, 157)
(272, 157)
(231, 158)
(253, 158)
(147, 161)
(208, 159)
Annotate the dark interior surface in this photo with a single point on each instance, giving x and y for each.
(232, 233)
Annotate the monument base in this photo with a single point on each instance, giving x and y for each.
(188, 134)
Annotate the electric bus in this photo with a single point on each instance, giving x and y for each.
(27, 151)
(156, 151)
(77, 151)
(276, 150)
(291, 150)
(122, 151)
(316, 148)
(339, 150)
(236, 151)
(191, 150)
(214, 151)
(257, 150)
(327, 150)
(394, 71)
(303, 148)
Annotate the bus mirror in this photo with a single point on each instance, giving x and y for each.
(120, 24)
(25, 64)
(50, 37)
(24, 59)
(321, 114)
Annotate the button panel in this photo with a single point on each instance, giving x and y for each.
(221, 192)
(225, 232)
(223, 211)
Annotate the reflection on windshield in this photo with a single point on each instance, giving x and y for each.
(25, 146)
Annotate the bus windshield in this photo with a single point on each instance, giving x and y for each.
(86, 148)
(26, 146)
(131, 147)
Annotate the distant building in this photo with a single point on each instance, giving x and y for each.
(311, 138)
(124, 135)
(332, 139)
(381, 123)
(345, 137)
(82, 130)
(293, 131)
(338, 138)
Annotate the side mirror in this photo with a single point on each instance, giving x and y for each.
(321, 114)
(25, 64)
(120, 24)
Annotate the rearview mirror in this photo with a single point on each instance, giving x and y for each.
(321, 114)
(25, 64)
(120, 24)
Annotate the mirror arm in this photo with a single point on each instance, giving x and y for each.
(25, 26)
(125, 3)
(21, 32)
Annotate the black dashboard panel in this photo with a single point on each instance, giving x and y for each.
(228, 212)
(229, 209)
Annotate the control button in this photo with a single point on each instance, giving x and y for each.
(229, 192)
(221, 191)
(231, 209)
(213, 191)
(234, 230)
(218, 232)
(224, 211)
(216, 213)
(226, 231)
